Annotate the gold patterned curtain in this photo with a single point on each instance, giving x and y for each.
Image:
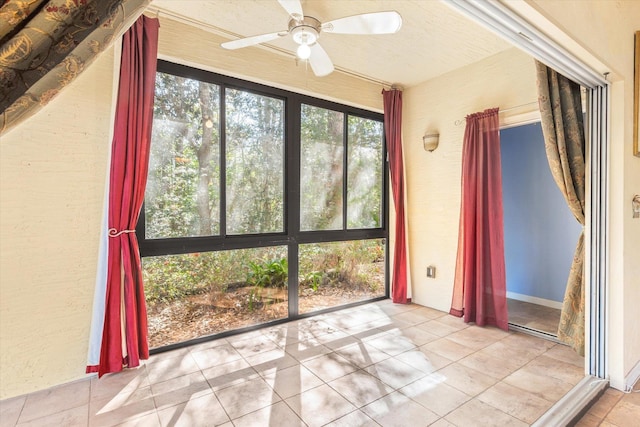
(44, 45)
(563, 130)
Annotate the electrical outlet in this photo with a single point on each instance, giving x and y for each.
(431, 272)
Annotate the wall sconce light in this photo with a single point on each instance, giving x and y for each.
(430, 141)
(635, 204)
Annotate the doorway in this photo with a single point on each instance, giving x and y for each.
(529, 38)
(539, 229)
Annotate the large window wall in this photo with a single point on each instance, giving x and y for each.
(261, 205)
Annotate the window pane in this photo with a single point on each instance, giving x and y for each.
(255, 163)
(183, 187)
(198, 294)
(364, 173)
(321, 168)
(338, 273)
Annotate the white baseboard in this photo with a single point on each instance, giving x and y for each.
(535, 300)
(632, 377)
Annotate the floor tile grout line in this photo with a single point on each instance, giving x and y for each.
(354, 403)
(504, 412)
(273, 390)
(214, 394)
(400, 327)
(610, 409)
(50, 414)
(289, 406)
(500, 380)
(529, 391)
(440, 416)
(346, 415)
(24, 402)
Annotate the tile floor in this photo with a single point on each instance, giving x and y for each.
(534, 316)
(376, 364)
(614, 409)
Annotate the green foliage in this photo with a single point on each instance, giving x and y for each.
(341, 264)
(254, 161)
(364, 183)
(269, 274)
(183, 189)
(182, 196)
(353, 264)
(313, 279)
(253, 299)
(172, 277)
(322, 170)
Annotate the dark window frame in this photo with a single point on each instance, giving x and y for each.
(291, 235)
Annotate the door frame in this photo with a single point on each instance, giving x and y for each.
(509, 24)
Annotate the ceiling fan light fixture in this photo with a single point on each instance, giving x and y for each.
(305, 32)
(304, 51)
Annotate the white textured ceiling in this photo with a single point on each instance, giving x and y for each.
(434, 39)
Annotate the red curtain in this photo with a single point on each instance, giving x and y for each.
(124, 336)
(393, 134)
(480, 283)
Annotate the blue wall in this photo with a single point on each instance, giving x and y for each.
(540, 231)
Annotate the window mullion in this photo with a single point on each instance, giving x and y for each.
(292, 171)
(384, 223)
(345, 171)
(223, 161)
(292, 197)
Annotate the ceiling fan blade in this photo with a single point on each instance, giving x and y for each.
(293, 7)
(253, 40)
(366, 23)
(320, 62)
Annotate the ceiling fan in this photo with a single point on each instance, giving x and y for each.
(305, 31)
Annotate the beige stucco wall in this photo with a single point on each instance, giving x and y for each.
(52, 174)
(504, 80)
(606, 29)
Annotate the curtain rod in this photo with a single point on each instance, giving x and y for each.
(461, 121)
